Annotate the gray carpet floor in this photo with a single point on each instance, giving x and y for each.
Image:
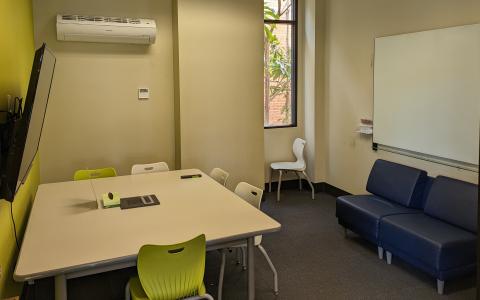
(313, 258)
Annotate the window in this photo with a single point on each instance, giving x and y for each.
(280, 63)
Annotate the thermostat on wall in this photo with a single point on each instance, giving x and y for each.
(143, 93)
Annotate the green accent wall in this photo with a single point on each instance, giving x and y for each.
(16, 57)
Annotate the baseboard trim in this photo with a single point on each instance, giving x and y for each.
(320, 187)
(334, 191)
(290, 184)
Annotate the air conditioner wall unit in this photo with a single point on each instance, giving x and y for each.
(99, 29)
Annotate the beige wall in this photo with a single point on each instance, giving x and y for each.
(94, 93)
(94, 118)
(308, 82)
(350, 30)
(316, 120)
(220, 48)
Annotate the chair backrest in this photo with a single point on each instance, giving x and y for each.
(252, 195)
(220, 176)
(249, 193)
(95, 173)
(174, 271)
(397, 183)
(453, 201)
(298, 147)
(150, 168)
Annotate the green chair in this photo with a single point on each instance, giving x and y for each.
(170, 272)
(93, 174)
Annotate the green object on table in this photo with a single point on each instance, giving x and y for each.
(95, 173)
(170, 272)
(114, 202)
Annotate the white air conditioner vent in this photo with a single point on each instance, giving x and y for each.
(102, 29)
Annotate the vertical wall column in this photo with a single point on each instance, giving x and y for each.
(313, 85)
(220, 87)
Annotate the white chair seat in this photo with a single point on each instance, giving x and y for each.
(294, 166)
(298, 167)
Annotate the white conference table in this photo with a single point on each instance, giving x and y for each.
(69, 233)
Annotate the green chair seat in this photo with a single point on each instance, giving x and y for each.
(137, 292)
(95, 173)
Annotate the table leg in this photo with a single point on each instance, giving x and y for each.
(60, 287)
(251, 268)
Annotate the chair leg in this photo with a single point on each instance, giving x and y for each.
(279, 184)
(440, 286)
(127, 291)
(237, 256)
(389, 257)
(244, 258)
(380, 252)
(310, 183)
(270, 182)
(275, 274)
(220, 278)
(299, 181)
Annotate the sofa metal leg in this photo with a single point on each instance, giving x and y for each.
(440, 286)
(389, 257)
(380, 252)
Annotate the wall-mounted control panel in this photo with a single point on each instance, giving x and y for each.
(143, 93)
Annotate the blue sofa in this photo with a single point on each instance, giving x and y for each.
(429, 223)
(442, 240)
(394, 188)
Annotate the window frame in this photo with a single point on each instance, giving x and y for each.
(294, 25)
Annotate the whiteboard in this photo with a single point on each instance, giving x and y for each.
(427, 92)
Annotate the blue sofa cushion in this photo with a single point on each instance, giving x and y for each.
(435, 246)
(362, 213)
(453, 201)
(398, 183)
(426, 190)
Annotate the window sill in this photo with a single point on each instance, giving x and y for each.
(281, 126)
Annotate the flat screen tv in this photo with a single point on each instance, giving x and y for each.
(26, 131)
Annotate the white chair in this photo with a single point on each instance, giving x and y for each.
(252, 195)
(220, 176)
(298, 167)
(150, 168)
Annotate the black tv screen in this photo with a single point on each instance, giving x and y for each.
(26, 131)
